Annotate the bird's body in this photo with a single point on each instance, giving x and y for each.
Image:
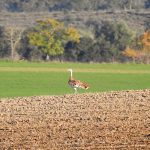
(76, 83)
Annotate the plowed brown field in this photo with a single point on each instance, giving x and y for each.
(113, 120)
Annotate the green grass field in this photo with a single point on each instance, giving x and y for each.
(28, 79)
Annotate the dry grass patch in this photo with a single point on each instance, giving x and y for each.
(91, 70)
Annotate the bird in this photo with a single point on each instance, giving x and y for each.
(75, 84)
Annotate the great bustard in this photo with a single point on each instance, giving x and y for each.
(76, 83)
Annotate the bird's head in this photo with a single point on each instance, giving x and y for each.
(70, 70)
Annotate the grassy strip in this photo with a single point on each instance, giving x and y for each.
(27, 79)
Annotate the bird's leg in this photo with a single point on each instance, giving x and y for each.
(75, 92)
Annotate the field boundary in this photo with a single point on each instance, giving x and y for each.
(47, 69)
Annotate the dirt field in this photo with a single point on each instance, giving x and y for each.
(114, 120)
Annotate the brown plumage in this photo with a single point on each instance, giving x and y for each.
(76, 83)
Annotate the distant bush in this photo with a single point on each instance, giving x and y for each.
(78, 51)
(100, 41)
(110, 39)
(4, 46)
(67, 5)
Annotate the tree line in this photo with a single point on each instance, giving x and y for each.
(50, 39)
(67, 5)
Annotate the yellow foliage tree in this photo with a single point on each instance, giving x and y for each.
(72, 34)
(129, 52)
(49, 35)
(145, 41)
(143, 53)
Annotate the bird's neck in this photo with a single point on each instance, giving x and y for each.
(71, 75)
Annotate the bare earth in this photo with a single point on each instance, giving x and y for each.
(113, 120)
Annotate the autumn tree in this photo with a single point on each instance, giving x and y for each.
(144, 42)
(131, 53)
(142, 50)
(50, 35)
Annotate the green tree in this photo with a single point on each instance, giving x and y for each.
(50, 35)
(78, 51)
(105, 45)
(27, 51)
(113, 37)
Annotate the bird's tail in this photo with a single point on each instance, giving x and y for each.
(85, 86)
